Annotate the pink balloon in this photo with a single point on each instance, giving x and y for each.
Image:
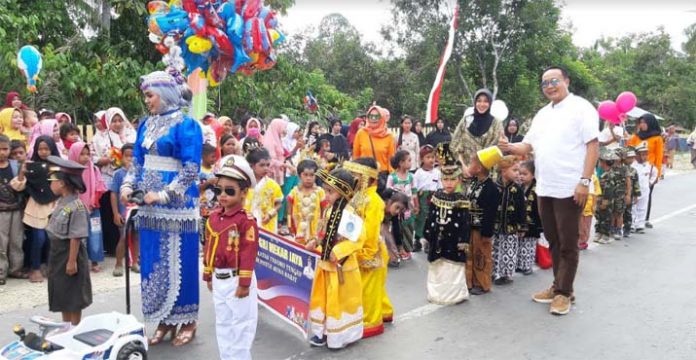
(626, 101)
(607, 110)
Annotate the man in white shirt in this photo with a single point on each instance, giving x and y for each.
(647, 174)
(563, 137)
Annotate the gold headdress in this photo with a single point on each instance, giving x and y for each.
(344, 188)
(365, 172)
(449, 166)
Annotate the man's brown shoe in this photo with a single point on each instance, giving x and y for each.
(560, 305)
(544, 297)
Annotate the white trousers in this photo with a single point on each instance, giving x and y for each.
(640, 210)
(235, 319)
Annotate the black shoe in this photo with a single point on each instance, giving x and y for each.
(640, 231)
(503, 281)
(416, 248)
(316, 341)
(518, 270)
(527, 272)
(477, 291)
(626, 233)
(648, 225)
(3, 281)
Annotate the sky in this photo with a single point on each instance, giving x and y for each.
(590, 19)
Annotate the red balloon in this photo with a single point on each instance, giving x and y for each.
(161, 48)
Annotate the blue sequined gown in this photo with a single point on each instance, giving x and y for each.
(167, 155)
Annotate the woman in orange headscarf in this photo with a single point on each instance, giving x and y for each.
(374, 140)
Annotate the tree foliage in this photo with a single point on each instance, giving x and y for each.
(95, 51)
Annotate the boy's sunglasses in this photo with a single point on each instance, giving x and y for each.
(229, 191)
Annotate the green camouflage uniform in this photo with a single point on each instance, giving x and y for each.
(618, 201)
(605, 204)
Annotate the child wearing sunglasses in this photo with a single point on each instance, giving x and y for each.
(231, 245)
(264, 199)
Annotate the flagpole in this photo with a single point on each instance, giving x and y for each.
(434, 98)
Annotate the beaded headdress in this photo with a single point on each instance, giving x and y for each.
(449, 166)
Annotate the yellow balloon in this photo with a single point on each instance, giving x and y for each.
(176, 3)
(212, 81)
(274, 34)
(198, 45)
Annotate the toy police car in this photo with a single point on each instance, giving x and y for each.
(110, 336)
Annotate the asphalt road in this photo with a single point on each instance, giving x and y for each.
(635, 300)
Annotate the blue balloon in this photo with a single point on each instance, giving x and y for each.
(193, 61)
(226, 11)
(240, 58)
(30, 62)
(235, 29)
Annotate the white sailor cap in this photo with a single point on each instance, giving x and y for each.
(236, 167)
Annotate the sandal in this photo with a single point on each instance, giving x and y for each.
(160, 333)
(36, 276)
(3, 281)
(185, 335)
(19, 275)
(96, 268)
(118, 271)
(135, 268)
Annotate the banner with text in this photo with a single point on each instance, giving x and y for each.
(284, 273)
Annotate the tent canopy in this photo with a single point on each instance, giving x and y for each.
(637, 112)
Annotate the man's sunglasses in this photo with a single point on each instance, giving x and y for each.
(229, 191)
(553, 82)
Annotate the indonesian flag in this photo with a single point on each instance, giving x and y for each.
(434, 98)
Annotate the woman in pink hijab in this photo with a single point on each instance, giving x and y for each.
(253, 129)
(273, 142)
(63, 118)
(48, 127)
(80, 153)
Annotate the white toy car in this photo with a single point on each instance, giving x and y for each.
(110, 336)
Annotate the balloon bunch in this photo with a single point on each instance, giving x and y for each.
(310, 102)
(615, 112)
(220, 37)
(30, 63)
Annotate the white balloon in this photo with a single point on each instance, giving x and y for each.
(469, 111)
(499, 110)
(154, 38)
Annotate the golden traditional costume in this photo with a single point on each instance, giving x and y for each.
(373, 256)
(336, 312)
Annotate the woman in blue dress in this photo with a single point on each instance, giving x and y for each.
(167, 156)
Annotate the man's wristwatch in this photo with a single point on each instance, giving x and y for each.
(585, 182)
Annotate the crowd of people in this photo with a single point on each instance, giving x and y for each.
(476, 201)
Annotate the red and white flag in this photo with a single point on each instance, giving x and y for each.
(434, 98)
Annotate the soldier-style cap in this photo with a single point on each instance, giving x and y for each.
(630, 152)
(642, 147)
(449, 166)
(608, 155)
(236, 167)
(58, 164)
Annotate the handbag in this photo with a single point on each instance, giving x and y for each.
(382, 176)
(543, 254)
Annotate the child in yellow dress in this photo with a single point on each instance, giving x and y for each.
(265, 199)
(336, 312)
(305, 203)
(373, 257)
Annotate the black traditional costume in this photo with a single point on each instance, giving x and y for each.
(447, 231)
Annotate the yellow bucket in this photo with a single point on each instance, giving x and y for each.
(490, 156)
